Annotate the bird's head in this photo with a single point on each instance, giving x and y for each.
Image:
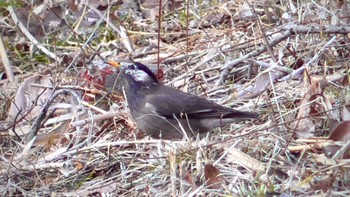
(136, 73)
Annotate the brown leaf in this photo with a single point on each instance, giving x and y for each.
(78, 166)
(190, 180)
(305, 127)
(211, 174)
(315, 88)
(343, 13)
(341, 132)
(332, 124)
(345, 81)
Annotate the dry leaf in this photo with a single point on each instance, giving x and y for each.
(211, 174)
(345, 114)
(262, 83)
(246, 11)
(247, 161)
(306, 127)
(190, 180)
(30, 99)
(330, 150)
(341, 132)
(314, 89)
(31, 21)
(78, 165)
(320, 158)
(345, 81)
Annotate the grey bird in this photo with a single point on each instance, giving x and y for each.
(167, 113)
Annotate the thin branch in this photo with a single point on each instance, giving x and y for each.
(231, 64)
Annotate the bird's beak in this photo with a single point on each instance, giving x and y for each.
(114, 64)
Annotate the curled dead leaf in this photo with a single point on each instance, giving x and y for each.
(29, 99)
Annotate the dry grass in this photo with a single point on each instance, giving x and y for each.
(270, 59)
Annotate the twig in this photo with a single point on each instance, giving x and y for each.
(229, 65)
(316, 29)
(6, 62)
(341, 151)
(40, 166)
(158, 36)
(263, 35)
(194, 68)
(37, 123)
(95, 118)
(312, 60)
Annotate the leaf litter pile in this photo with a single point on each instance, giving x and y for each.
(64, 133)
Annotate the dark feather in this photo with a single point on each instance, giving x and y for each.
(169, 102)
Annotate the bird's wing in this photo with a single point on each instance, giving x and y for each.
(168, 102)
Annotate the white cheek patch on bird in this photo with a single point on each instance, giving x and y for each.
(140, 75)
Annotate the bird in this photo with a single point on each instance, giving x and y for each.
(165, 112)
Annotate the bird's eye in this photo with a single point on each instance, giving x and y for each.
(132, 67)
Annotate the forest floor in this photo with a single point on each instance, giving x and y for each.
(64, 134)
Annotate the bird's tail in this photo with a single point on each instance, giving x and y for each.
(242, 115)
